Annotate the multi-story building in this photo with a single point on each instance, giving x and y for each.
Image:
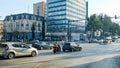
(22, 26)
(66, 17)
(39, 9)
(1, 29)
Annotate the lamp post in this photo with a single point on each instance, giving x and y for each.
(68, 32)
(69, 28)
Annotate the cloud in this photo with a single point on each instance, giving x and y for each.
(110, 7)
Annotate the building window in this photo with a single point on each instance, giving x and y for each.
(32, 17)
(39, 26)
(38, 10)
(27, 16)
(22, 25)
(16, 17)
(27, 26)
(22, 16)
(11, 18)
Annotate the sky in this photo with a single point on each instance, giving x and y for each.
(8, 7)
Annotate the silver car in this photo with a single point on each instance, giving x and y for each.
(12, 49)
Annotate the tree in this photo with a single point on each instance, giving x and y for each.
(33, 31)
(104, 23)
(15, 35)
(24, 36)
(4, 33)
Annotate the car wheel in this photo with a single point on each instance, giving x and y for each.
(10, 56)
(33, 53)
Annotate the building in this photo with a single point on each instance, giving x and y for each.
(1, 29)
(66, 18)
(23, 27)
(39, 9)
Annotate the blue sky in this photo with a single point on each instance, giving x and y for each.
(8, 7)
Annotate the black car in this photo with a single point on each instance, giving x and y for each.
(42, 46)
(71, 46)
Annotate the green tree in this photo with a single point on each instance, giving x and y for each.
(33, 31)
(15, 35)
(24, 36)
(4, 33)
(103, 22)
(94, 23)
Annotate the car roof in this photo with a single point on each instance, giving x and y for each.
(10, 43)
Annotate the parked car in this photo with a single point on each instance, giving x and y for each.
(93, 41)
(12, 49)
(71, 46)
(42, 46)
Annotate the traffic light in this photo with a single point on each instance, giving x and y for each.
(115, 16)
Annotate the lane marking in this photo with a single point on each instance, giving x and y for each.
(37, 65)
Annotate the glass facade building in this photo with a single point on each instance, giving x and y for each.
(61, 13)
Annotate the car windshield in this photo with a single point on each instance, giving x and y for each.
(67, 44)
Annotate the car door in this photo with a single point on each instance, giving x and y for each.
(74, 46)
(26, 49)
(18, 49)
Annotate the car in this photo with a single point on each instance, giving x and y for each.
(13, 49)
(93, 41)
(71, 46)
(42, 46)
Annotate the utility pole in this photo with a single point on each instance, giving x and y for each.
(68, 32)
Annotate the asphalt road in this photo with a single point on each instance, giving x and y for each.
(91, 56)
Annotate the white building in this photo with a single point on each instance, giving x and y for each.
(19, 26)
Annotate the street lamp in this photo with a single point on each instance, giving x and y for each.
(68, 31)
(69, 28)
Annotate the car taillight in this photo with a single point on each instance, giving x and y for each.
(7, 48)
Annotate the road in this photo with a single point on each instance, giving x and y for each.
(91, 56)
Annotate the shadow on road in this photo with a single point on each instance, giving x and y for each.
(106, 63)
(50, 53)
(2, 58)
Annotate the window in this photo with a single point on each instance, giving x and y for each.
(27, 16)
(22, 25)
(39, 26)
(22, 16)
(16, 45)
(3, 45)
(25, 46)
(32, 17)
(17, 17)
(27, 26)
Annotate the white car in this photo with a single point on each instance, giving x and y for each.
(12, 49)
